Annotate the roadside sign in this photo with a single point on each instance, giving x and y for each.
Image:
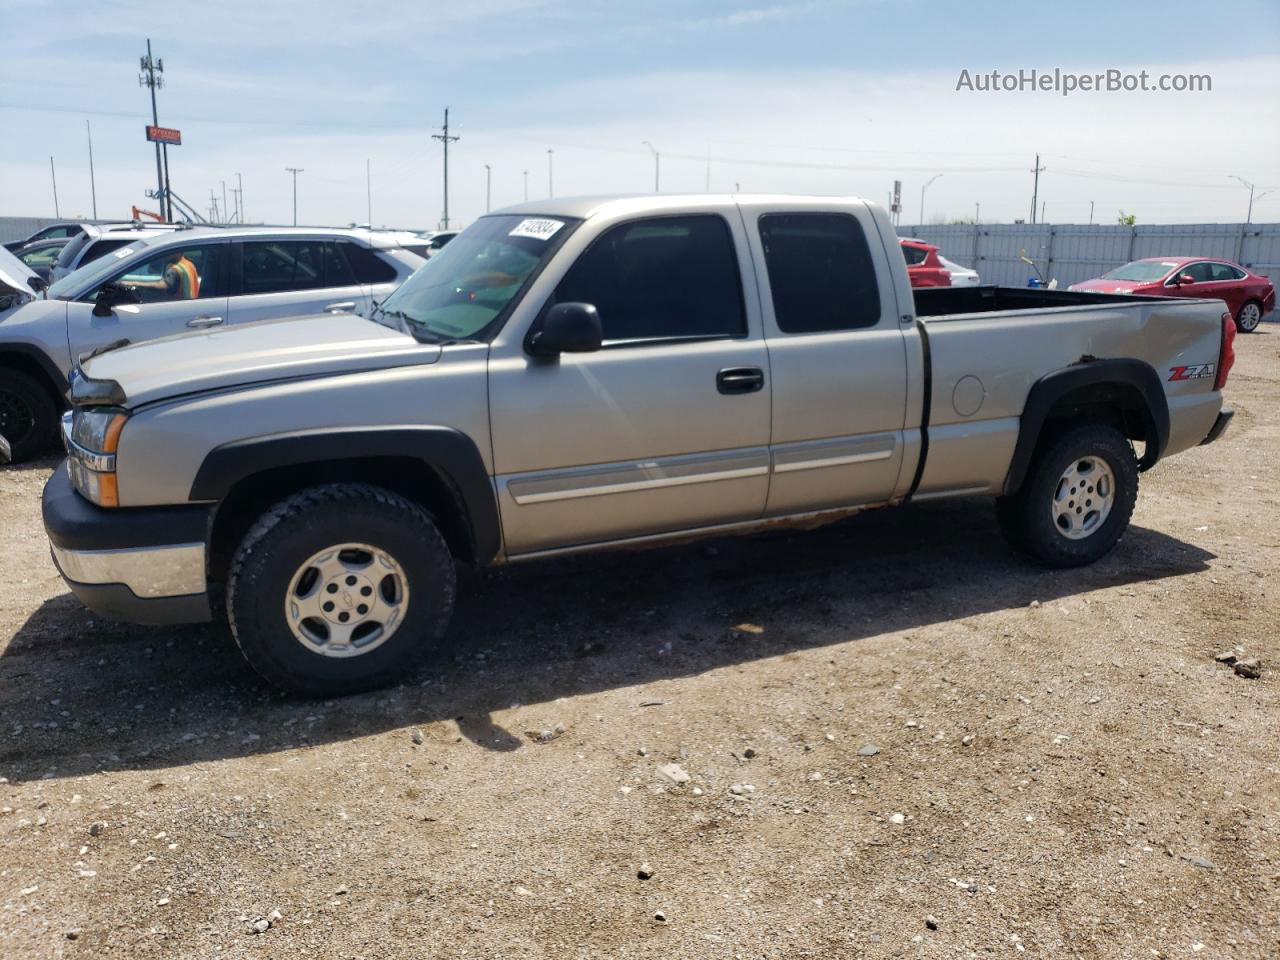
(164, 135)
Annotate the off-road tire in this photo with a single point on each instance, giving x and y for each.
(293, 530)
(28, 413)
(1026, 517)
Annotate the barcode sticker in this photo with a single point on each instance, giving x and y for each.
(536, 229)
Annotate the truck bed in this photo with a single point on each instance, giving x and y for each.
(947, 301)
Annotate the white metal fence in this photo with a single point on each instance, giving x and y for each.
(1075, 252)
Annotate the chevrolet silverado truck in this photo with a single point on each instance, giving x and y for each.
(586, 374)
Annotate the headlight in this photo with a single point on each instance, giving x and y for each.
(92, 438)
(97, 429)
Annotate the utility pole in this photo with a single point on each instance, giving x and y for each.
(526, 186)
(1042, 203)
(977, 213)
(240, 197)
(922, 190)
(1090, 213)
(1035, 189)
(445, 139)
(488, 184)
(148, 78)
(295, 171)
(655, 164)
(239, 211)
(1249, 216)
(550, 192)
(368, 193)
(225, 209)
(54, 176)
(93, 187)
(213, 205)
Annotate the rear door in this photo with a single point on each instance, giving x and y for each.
(837, 354)
(290, 277)
(170, 302)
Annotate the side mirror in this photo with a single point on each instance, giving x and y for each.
(38, 284)
(568, 328)
(112, 294)
(1185, 278)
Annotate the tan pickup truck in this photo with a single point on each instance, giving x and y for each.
(585, 374)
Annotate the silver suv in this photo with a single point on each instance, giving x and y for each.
(171, 282)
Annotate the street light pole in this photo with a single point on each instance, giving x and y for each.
(295, 171)
(922, 190)
(93, 187)
(240, 197)
(655, 164)
(526, 186)
(550, 184)
(54, 175)
(488, 186)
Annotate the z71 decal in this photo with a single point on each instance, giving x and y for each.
(1194, 371)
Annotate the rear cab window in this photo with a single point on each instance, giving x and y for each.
(821, 274)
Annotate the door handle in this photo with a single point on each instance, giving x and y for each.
(740, 380)
(344, 305)
(200, 323)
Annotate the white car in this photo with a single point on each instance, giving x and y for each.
(96, 241)
(960, 276)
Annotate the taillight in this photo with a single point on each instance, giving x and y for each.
(1226, 351)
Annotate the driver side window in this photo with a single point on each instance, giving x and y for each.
(1200, 272)
(177, 273)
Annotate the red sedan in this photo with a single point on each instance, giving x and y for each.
(1249, 296)
(923, 266)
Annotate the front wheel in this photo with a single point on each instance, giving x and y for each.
(339, 589)
(28, 415)
(1077, 499)
(1249, 317)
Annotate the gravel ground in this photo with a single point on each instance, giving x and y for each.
(928, 749)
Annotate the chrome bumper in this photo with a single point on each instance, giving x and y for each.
(149, 572)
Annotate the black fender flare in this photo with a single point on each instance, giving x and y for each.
(1052, 387)
(449, 452)
(41, 360)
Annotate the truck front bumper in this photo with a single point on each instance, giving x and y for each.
(1219, 426)
(138, 564)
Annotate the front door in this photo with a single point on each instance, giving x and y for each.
(667, 427)
(293, 278)
(179, 289)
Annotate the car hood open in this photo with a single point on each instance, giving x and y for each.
(15, 276)
(324, 345)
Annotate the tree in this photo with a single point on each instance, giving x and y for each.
(1126, 219)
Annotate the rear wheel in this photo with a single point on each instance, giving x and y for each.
(339, 589)
(28, 415)
(1077, 499)
(1249, 316)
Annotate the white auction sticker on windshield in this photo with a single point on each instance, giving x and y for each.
(537, 229)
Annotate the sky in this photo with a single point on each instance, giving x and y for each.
(817, 97)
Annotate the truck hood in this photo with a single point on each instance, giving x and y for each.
(323, 345)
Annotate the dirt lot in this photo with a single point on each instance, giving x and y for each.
(1062, 770)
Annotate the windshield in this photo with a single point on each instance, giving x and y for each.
(1142, 271)
(464, 287)
(88, 277)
